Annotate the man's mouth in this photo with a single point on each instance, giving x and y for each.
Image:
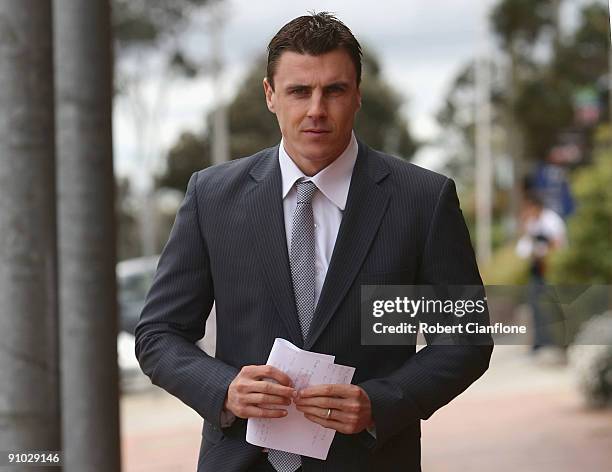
(316, 131)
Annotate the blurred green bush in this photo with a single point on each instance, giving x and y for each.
(505, 268)
(588, 257)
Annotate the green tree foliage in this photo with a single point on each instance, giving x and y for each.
(252, 127)
(146, 24)
(519, 23)
(584, 58)
(519, 26)
(588, 258)
(154, 28)
(379, 122)
(543, 105)
(190, 153)
(543, 108)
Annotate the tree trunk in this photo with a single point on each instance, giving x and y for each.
(29, 383)
(88, 302)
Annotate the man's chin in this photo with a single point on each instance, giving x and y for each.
(319, 157)
(319, 151)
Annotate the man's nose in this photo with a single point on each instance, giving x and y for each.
(316, 108)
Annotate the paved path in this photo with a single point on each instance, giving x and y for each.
(159, 433)
(518, 417)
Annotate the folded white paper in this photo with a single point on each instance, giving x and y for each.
(294, 433)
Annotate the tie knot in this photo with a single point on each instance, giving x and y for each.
(305, 191)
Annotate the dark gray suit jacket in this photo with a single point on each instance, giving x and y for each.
(402, 225)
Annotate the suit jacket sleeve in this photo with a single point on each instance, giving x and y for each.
(174, 318)
(437, 373)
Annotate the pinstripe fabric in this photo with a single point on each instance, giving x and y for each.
(402, 225)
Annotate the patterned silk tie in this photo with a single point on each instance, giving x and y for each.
(302, 262)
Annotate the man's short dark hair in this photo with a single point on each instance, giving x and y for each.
(314, 34)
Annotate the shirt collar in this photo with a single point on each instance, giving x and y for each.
(333, 181)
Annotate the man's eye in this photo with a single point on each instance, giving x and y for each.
(335, 90)
(298, 92)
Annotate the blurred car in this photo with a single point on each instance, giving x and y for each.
(134, 277)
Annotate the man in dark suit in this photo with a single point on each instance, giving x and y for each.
(282, 241)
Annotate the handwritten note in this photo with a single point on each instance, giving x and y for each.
(294, 433)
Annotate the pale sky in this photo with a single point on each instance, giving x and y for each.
(421, 44)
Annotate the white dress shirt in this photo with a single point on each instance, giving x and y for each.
(328, 203)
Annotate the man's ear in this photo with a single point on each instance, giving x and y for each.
(358, 98)
(269, 92)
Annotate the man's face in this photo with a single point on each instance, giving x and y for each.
(315, 99)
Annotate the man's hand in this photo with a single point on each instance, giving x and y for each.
(345, 408)
(252, 394)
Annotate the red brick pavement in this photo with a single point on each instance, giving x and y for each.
(167, 450)
(540, 431)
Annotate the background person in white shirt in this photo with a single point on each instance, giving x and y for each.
(543, 231)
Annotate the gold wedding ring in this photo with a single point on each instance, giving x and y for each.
(328, 416)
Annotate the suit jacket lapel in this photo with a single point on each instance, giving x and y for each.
(365, 208)
(268, 225)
